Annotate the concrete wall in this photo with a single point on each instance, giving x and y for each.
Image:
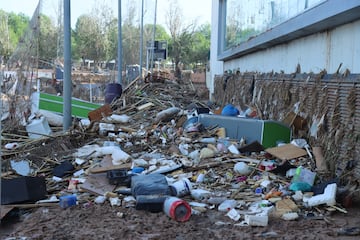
(216, 67)
(325, 50)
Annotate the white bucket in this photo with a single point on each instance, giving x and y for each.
(181, 187)
(177, 209)
(38, 128)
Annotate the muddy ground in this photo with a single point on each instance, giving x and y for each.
(91, 221)
(88, 220)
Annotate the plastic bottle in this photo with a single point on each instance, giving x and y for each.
(177, 209)
(227, 205)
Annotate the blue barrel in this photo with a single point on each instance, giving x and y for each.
(112, 91)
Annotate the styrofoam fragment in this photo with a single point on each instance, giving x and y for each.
(115, 201)
(100, 199)
(290, 216)
(328, 197)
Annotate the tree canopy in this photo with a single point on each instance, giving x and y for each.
(95, 37)
(12, 27)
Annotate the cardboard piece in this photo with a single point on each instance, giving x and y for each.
(4, 210)
(97, 184)
(292, 119)
(99, 113)
(286, 152)
(113, 167)
(283, 206)
(106, 165)
(319, 159)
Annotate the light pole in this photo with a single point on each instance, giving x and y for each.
(141, 38)
(153, 42)
(67, 88)
(119, 44)
(1, 81)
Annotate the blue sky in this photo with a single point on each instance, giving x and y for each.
(199, 10)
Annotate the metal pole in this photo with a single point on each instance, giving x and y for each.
(91, 96)
(119, 44)
(147, 60)
(153, 43)
(141, 38)
(67, 67)
(1, 112)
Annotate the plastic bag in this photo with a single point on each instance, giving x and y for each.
(152, 184)
(303, 180)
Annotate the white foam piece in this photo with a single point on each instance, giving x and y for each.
(328, 197)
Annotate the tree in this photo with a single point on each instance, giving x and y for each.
(130, 36)
(12, 27)
(48, 39)
(112, 37)
(181, 37)
(91, 33)
(201, 47)
(90, 42)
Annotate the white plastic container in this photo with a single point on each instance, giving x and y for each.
(182, 187)
(38, 128)
(254, 220)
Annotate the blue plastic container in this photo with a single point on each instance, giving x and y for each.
(67, 201)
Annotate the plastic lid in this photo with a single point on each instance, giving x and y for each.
(180, 210)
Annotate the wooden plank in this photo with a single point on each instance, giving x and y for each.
(113, 167)
(32, 205)
(286, 152)
(144, 106)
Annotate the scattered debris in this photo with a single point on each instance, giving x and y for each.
(153, 150)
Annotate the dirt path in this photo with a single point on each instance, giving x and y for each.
(104, 222)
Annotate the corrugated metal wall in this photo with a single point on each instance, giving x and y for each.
(333, 98)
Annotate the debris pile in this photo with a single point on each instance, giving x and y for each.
(158, 148)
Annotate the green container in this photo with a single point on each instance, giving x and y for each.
(53, 103)
(267, 132)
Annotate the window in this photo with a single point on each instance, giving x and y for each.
(250, 25)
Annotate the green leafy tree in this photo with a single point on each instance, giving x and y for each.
(112, 37)
(201, 45)
(12, 27)
(47, 39)
(92, 32)
(89, 39)
(130, 36)
(181, 37)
